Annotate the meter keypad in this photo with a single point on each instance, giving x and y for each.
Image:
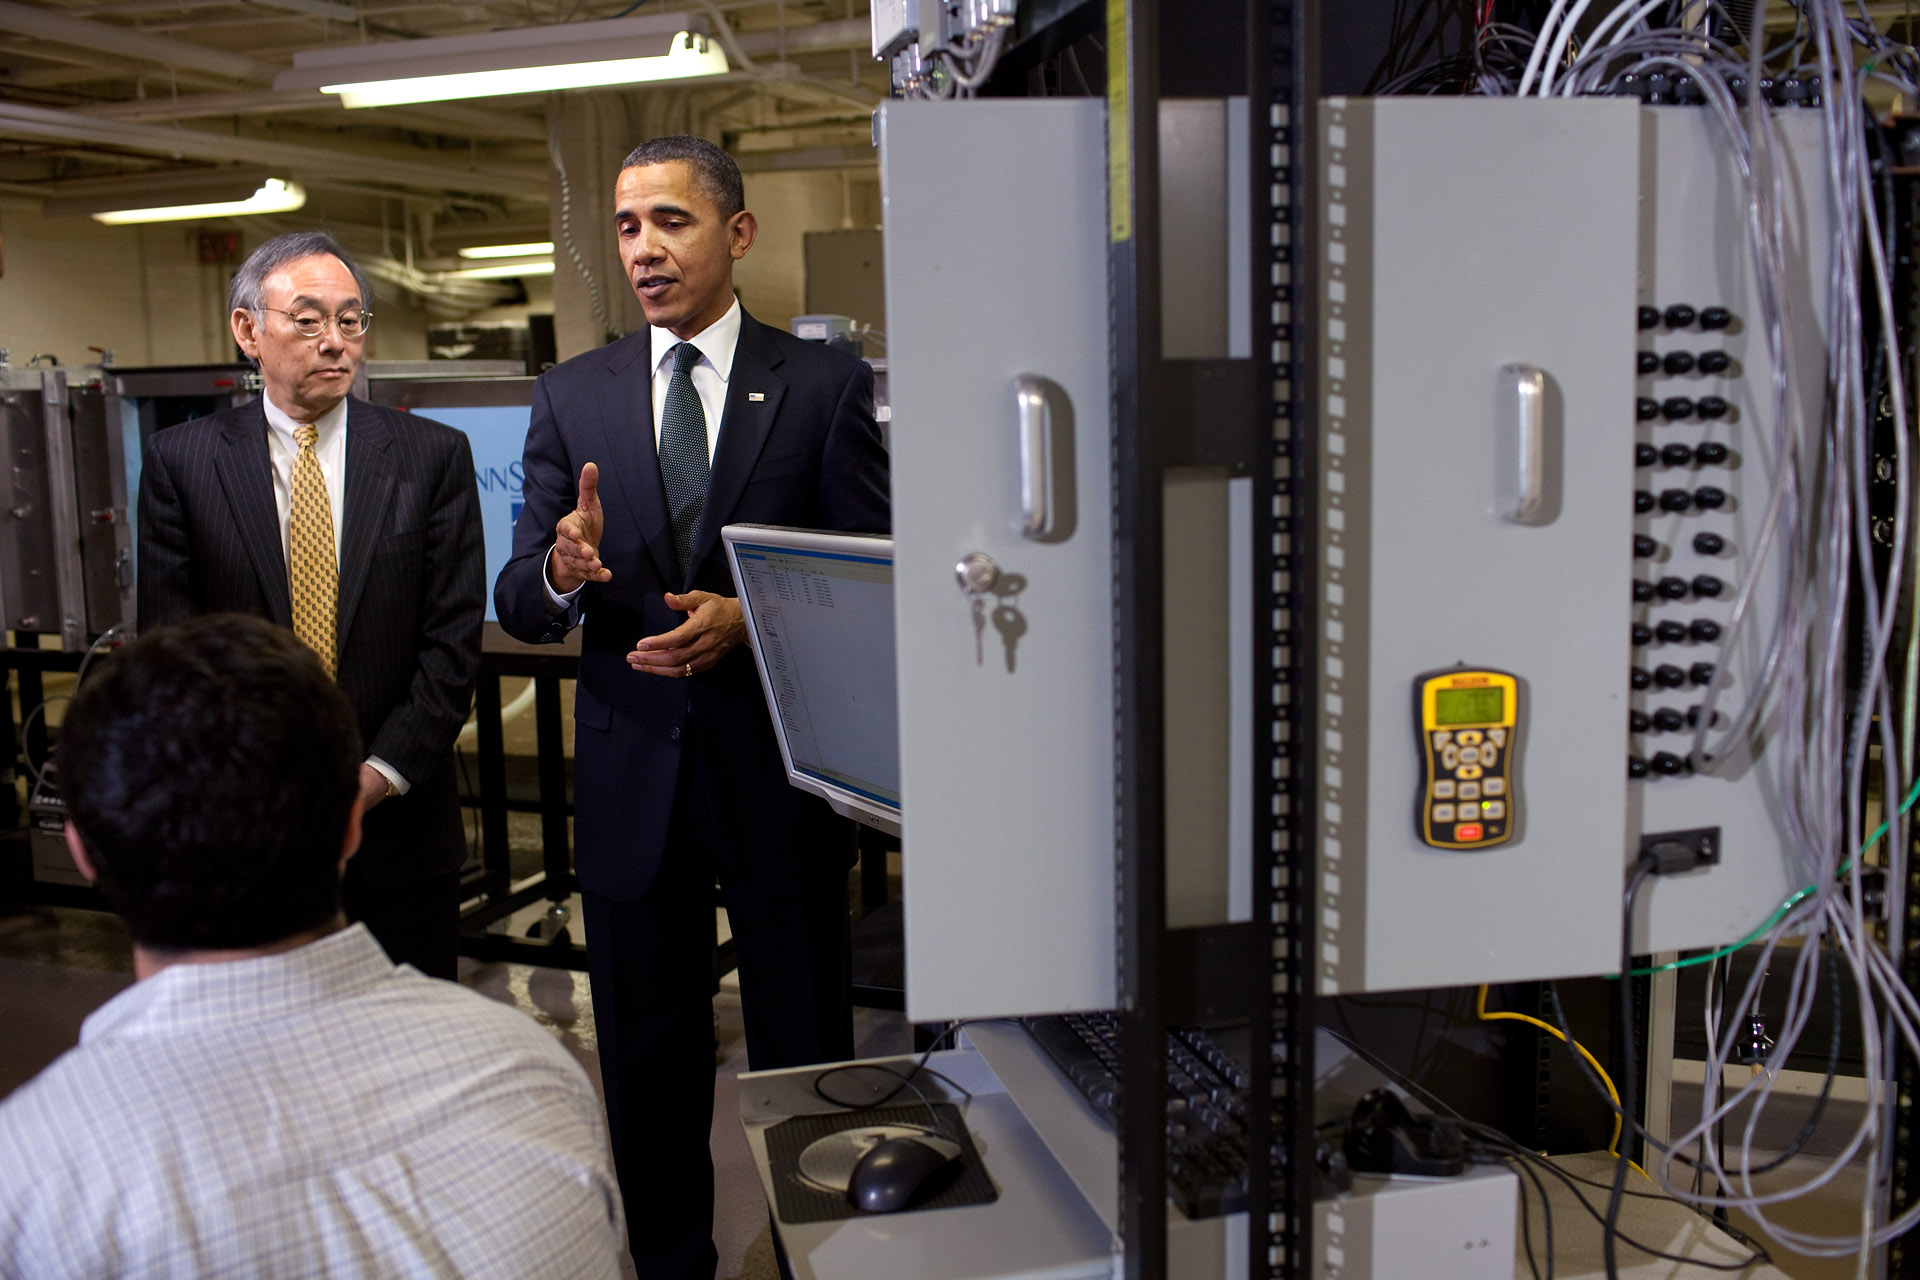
(1466, 798)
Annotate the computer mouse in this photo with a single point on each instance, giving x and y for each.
(894, 1169)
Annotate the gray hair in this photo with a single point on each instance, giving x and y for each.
(248, 292)
(713, 168)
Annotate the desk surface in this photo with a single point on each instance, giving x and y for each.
(1045, 1227)
(1663, 1224)
(1039, 1229)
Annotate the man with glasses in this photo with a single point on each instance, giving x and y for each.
(358, 528)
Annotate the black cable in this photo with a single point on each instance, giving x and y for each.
(1490, 1134)
(1629, 1086)
(1698, 1166)
(1757, 1250)
(1629, 1127)
(1539, 1188)
(903, 1080)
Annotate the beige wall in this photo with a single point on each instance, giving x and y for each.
(596, 133)
(69, 283)
(400, 325)
(772, 278)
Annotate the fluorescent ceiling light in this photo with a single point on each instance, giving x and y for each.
(503, 270)
(493, 84)
(573, 55)
(273, 196)
(508, 250)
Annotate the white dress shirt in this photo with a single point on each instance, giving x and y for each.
(320, 1112)
(331, 451)
(717, 343)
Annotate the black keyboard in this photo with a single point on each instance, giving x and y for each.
(1206, 1103)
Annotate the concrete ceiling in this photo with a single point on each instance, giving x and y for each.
(138, 89)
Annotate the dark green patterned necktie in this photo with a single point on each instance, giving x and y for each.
(683, 453)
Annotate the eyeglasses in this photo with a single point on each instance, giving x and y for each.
(311, 324)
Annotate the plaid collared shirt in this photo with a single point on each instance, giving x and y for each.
(314, 1113)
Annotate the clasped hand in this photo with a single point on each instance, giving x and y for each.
(713, 626)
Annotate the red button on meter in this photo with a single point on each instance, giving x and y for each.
(1467, 831)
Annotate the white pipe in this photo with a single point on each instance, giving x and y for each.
(48, 24)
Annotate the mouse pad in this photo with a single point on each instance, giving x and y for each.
(812, 1156)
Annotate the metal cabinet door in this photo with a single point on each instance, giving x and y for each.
(1461, 239)
(996, 268)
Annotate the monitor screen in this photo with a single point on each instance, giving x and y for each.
(498, 434)
(493, 412)
(819, 612)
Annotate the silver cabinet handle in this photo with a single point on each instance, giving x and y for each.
(1046, 458)
(1523, 443)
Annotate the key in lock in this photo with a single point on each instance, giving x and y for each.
(1011, 624)
(977, 575)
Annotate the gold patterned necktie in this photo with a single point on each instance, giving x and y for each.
(313, 572)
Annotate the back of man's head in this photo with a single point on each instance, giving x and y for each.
(210, 769)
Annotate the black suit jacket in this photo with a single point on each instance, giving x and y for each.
(412, 591)
(797, 446)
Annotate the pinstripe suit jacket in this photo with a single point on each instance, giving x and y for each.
(412, 591)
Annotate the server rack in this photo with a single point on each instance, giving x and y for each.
(1253, 415)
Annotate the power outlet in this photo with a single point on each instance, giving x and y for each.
(1673, 852)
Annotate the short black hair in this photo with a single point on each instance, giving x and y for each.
(713, 168)
(210, 768)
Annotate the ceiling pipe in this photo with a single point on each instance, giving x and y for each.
(150, 47)
(817, 37)
(453, 119)
(44, 124)
(847, 156)
(128, 42)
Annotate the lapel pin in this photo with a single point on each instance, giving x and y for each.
(756, 395)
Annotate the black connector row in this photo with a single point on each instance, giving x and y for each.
(1704, 586)
(1663, 88)
(1670, 631)
(1710, 453)
(1664, 764)
(1679, 408)
(1707, 497)
(1680, 316)
(1707, 544)
(1682, 362)
(1664, 720)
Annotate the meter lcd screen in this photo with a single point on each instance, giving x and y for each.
(1469, 706)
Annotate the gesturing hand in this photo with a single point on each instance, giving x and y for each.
(576, 548)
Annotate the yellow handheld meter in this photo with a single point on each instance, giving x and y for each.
(1469, 741)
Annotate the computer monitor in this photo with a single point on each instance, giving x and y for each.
(819, 615)
(493, 413)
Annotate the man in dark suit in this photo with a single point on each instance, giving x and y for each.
(638, 454)
(358, 528)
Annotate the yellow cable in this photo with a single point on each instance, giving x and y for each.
(1613, 1147)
